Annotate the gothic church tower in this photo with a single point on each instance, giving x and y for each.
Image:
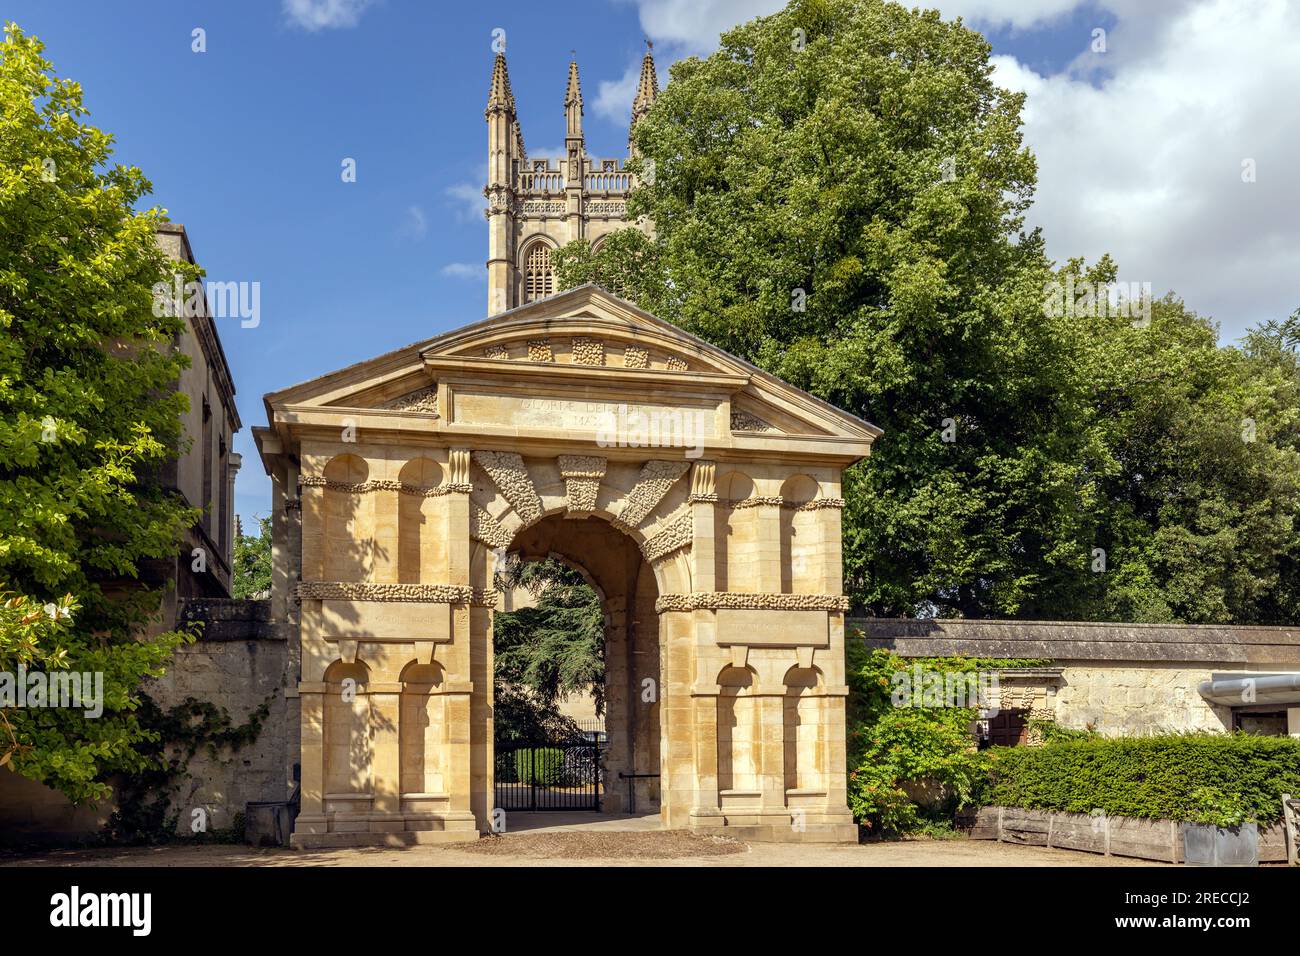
(537, 205)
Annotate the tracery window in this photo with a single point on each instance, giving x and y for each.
(539, 278)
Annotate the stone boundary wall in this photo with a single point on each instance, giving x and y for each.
(1245, 646)
(1116, 679)
(240, 661)
(229, 619)
(1160, 840)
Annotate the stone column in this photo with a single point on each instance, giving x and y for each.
(832, 550)
(311, 815)
(836, 744)
(387, 556)
(312, 497)
(707, 811)
(456, 776)
(704, 502)
(768, 541)
(456, 533)
(770, 701)
(677, 745)
(385, 712)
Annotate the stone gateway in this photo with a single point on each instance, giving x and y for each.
(402, 482)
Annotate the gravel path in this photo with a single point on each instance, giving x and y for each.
(588, 848)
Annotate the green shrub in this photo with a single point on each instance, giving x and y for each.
(1049, 732)
(1221, 779)
(893, 750)
(543, 766)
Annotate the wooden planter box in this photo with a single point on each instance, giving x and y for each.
(1161, 840)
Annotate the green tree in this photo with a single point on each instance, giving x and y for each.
(837, 196)
(89, 412)
(548, 651)
(1199, 486)
(252, 562)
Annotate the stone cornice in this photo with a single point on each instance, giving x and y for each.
(719, 600)
(419, 593)
(817, 504)
(382, 484)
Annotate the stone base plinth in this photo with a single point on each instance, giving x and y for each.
(777, 826)
(314, 832)
(325, 841)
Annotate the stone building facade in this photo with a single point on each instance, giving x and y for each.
(537, 204)
(700, 495)
(203, 474)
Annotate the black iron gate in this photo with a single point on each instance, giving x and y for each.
(556, 774)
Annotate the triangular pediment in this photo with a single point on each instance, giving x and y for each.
(584, 345)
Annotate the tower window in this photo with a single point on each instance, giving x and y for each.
(539, 280)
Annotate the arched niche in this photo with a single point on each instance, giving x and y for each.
(735, 535)
(801, 538)
(739, 731)
(420, 550)
(803, 730)
(348, 532)
(348, 749)
(423, 731)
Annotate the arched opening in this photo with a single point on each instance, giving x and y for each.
(613, 722)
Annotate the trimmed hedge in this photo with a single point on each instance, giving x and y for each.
(543, 766)
(1200, 778)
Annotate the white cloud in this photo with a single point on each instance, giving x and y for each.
(693, 26)
(468, 200)
(313, 15)
(614, 97)
(1146, 161)
(552, 152)
(464, 270)
(416, 224)
(1013, 13)
(1139, 149)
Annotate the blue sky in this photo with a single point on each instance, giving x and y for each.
(243, 144)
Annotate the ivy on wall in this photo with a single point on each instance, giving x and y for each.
(911, 768)
(147, 810)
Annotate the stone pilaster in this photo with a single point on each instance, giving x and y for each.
(457, 536)
(311, 815)
(385, 713)
(769, 546)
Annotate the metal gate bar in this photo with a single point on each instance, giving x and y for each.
(548, 775)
